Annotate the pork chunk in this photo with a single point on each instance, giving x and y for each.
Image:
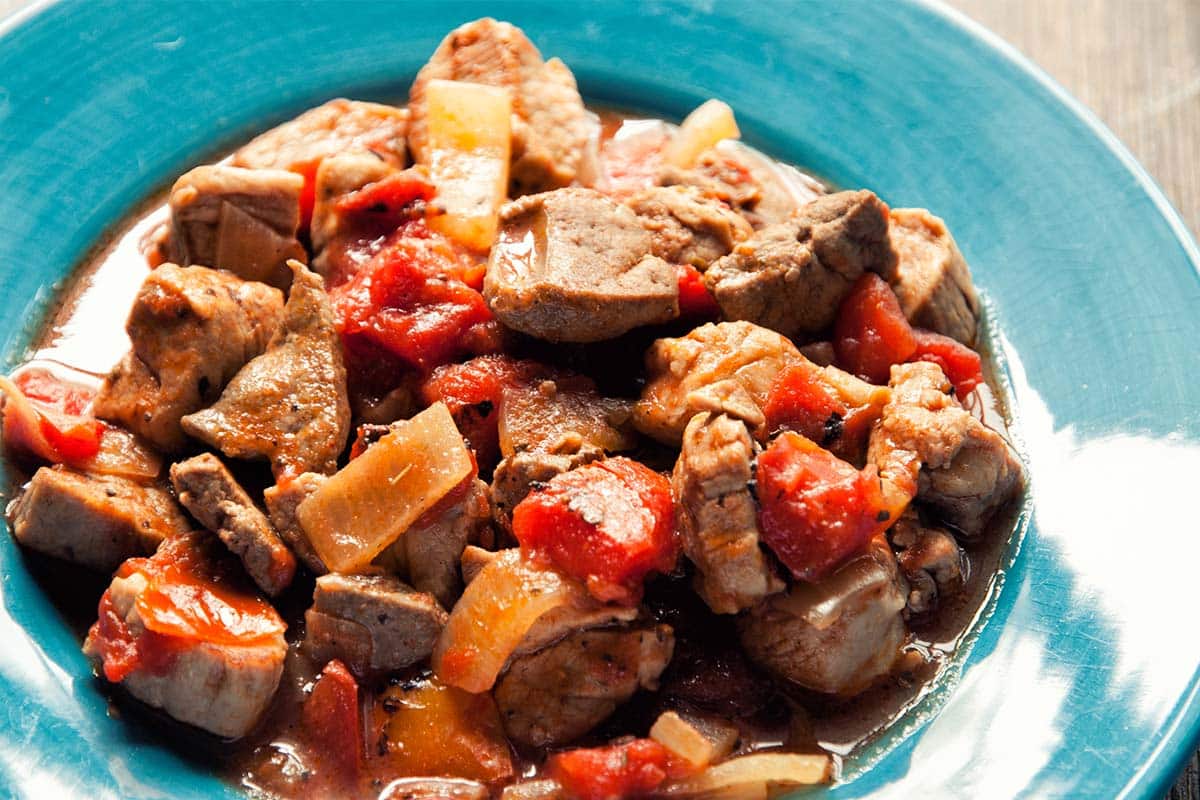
(282, 500)
(837, 636)
(97, 521)
(212, 495)
(981, 479)
(931, 561)
(337, 127)
(574, 266)
(717, 516)
(792, 276)
(372, 622)
(686, 227)
(675, 368)
(241, 220)
(550, 126)
(559, 693)
(932, 280)
(288, 405)
(192, 329)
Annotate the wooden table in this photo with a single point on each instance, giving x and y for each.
(1136, 63)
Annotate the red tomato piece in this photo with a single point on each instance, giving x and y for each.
(871, 333)
(56, 424)
(308, 192)
(394, 196)
(608, 524)
(620, 771)
(333, 719)
(695, 301)
(801, 400)
(962, 365)
(815, 510)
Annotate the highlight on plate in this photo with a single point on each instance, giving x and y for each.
(492, 446)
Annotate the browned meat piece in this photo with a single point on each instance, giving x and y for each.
(573, 266)
(434, 789)
(932, 562)
(730, 398)
(517, 474)
(339, 126)
(792, 276)
(282, 499)
(675, 368)
(336, 177)
(926, 443)
(241, 220)
(550, 127)
(206, 489)
(94, 520)
(561, 414)
(686, 227)
(717, 516)
(222, 688)
(838, 636)
(372, 622)
(932, 280)
(559, 693)
(718, 175)
(192, 329)
(474, 559)
(288, 405)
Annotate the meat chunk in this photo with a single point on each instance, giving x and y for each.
(192, 329)
(932, 562)
(94, 520)
(550, 126)
(675, 368)
(282, 500)
(207, 490)
(837, 636)
(573, 266)
(222, 685)
(559, 693)
(927, 444)
(241, 220)
(516, 475)
(372, 622)
(716, 514)
(288, 405)
(932, 280)
(337, 127)
(686, 227)
(791, 277)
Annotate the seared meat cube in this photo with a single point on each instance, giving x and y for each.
(222, 677)
(372, 622)
(282, 500)
(192, 329)
(675, 368)
(716, 514)
(288, 405)
(519, 473)
(241, 220)
(206, 489)
(573, 266)
(926, 444)
(837, 636)
(932, 280)
(932, 562)
(94, 520)
(550, 126)
(791, 277)
(686, 227)
(559, 693)
(337, 127)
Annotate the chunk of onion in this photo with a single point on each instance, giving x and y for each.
(752, 776)
(710, 123)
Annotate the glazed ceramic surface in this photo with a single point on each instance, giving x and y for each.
(1079, 679)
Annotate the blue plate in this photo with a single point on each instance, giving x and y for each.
(1081, 677)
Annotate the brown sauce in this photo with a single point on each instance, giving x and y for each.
(86, 332)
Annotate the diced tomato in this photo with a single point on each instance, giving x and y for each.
(802, 400)
(617, 772)
(871, 333)
(632, 163)
(394, 196)
(962, 365)
(815, 510)
(608, 524)
(118, 650)
(333, 719)
(52, 418)
(308, 193)
(472, 392)
(695, 301)
(409, 300)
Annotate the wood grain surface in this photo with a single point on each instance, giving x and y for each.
(1136, 64)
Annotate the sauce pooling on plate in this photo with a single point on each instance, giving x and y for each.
(491, 447)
